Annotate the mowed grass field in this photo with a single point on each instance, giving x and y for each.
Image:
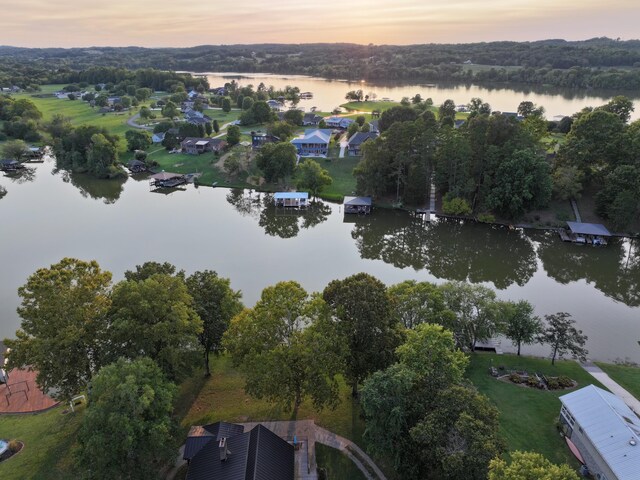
(528, 416)
(48, 444)
(626, 375)
(222, 397)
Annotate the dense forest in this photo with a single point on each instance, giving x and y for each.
(597, 63)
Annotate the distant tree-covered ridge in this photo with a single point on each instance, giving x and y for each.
(595, 63)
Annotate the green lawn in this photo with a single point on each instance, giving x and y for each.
(222, 397)
(223, 117)
(48, 438)
(528, 416)
(341, 171)
(336, 464)
(369, 106)
(627, 376)
(184, 163)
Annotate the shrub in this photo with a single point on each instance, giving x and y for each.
(14, 446)
(565, 382)
(532, 381)
(486, 218)
(553, 384)
(515, 378)
(140, 155)
(455, 206)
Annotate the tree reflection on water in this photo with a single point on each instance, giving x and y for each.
(277, 222)
(450, 250)
(614, 269)
(108, 191)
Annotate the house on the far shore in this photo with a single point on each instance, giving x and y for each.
(602, 432)
(338, 122)
(275, 105)
(158, 137)
(314, 142)
(258, 139)
(196, 146)
(311, 120)
(357, 140)
(224, 451)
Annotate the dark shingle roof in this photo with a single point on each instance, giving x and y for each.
(256, 455)
(224, 429)
(200, 436)
(359, 138)
(206, 464)
(272, 456)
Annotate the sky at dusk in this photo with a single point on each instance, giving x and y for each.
(164, 23)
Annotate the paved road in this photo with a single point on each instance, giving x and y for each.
(132, 122)
(343, 147)
(596, 372)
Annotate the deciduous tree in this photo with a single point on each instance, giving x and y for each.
(15, 150)
(362, 307)
(288, 347)
(522, 326)
(417, 302)
(64, 334)
(155, 318)
(529, 466)
(311, 176)
(137, 140)
(476, 312)
(216, 303)
(276, 161)
(459, 435)
(563, 337)
(233, 135)
(127, 431)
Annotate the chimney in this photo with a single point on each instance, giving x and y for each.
(224, 451)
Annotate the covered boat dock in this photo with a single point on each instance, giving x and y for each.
(291, 199)
(166, 180)
(585, 233)
(358, 205)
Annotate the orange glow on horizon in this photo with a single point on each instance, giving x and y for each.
(159, 23)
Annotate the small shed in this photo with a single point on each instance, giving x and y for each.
(291, 199)
(359, 205)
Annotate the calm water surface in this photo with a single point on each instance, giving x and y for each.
(328, 94)
(48, 215)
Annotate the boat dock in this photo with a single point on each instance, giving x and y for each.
(585, 233)
(166, 180)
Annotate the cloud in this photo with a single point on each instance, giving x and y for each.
(170, 23)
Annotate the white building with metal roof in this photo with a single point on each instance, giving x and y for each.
(605, 431)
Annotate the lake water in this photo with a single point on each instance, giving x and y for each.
(328, 94)
(47, 216)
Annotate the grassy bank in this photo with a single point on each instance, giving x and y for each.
(528, 416)
(48, 438)
(369, 106)
(222, 397)
(336, 464)
(627, 376)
